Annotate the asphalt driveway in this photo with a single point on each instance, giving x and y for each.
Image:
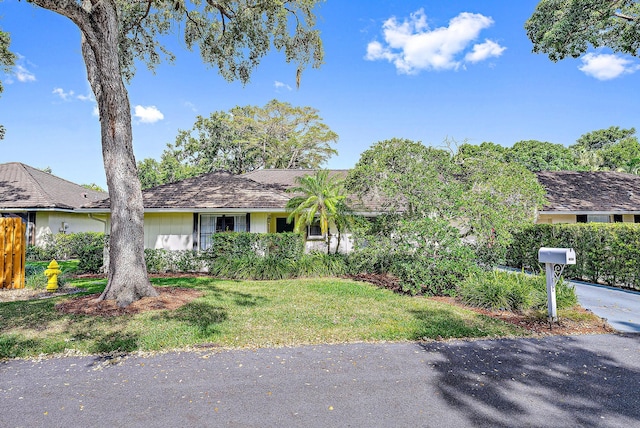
(586, 381)
(621, 308)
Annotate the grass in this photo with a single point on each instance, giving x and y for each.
(241, 314)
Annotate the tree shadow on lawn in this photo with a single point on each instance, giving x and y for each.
(442, 323)
(584, 381)
(202, 315)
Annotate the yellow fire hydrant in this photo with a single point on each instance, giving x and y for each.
(52, 273)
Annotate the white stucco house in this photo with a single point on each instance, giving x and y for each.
(46, 203)
(185, 214)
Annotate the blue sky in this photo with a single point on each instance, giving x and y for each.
(425, 70)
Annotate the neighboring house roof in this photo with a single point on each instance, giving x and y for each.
(286, 178)
(590, 192)
(216, 190)
(25, 188)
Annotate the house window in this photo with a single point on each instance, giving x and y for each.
(581, 219)
(636, 218)
(598, 218)
(617, 218)
(215, 223)
(314, 230)
(282, 225)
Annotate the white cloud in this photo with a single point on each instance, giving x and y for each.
(606, 66)
(483, 51)
(280, 85)
(412, 46)
(23, 75)
(148, 114)
(191, 106)
(88, 97)
(65, 96)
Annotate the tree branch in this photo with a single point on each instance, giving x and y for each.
(137, 24)
(625, 17)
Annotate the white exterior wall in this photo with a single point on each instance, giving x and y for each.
(259, 223)
(168, 231)
(51, 222)
(320, 244)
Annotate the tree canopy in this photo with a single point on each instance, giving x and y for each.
(561, 28)
(484, 197)
(244, 139)
(231, 35)
(541, 156)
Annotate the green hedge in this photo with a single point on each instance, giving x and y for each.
(235, 251)
(245, 244)
(606, 253)
(87, 247)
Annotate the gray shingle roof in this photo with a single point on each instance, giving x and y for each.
(24, 187)
(216, 190)
(600, 191)
(286, 178)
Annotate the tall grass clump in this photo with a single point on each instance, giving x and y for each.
(512, 291)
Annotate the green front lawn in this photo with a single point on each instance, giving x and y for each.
(240, 314)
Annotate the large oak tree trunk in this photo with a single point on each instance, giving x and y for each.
(127, 277)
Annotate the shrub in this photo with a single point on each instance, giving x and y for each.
(427, 255)
(512, 291)
(89, 248)
(319, 264)
(157, 261)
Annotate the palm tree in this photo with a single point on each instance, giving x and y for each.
(317, 200)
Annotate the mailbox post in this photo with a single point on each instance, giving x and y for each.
(554, 259)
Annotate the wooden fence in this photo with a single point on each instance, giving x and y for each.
(13, 246)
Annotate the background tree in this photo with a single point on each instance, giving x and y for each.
(541, 156)
(406, 177)
(231, 35)
(484, 198)
(244, 139)
(498, 199)
(561, 28)
(93, 186)
(611, 149)
(317, 200)
(596, 140)
(486, 149)
(7, 60)
(621, 156)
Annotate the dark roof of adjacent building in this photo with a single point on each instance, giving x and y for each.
(600, 191)
(217, 190)
(257, 190)
(23, 187)
(286, 178)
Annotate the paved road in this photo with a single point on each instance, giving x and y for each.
(586, 381)
(620, 307)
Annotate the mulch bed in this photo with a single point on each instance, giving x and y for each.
(169, 298)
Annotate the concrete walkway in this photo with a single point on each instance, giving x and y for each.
(585, 381)
(621, 308)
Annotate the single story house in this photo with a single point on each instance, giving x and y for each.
(46, 203)
(582, 197)
(185, 214)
